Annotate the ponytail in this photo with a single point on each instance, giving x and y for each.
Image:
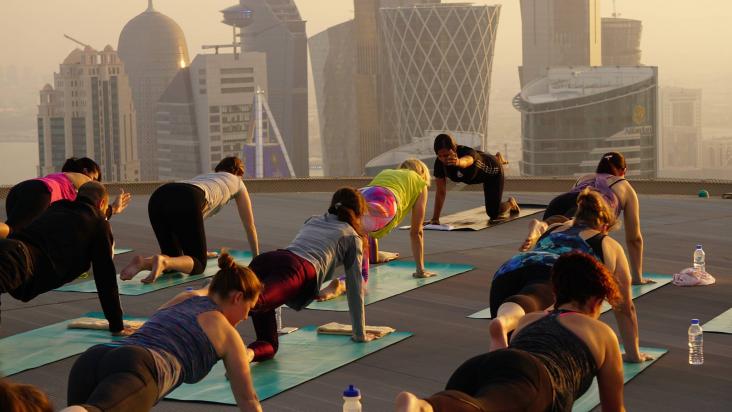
(348, 205)
(232, 277)
(592, 210)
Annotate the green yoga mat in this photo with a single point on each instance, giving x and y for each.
(392, 279)
(591, 398)
(121, 251)
(720, 324)
(638, 290)
(135, 287)
(303, 355)
(49, 344)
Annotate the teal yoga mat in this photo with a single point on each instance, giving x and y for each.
(121, 251)
(638, 290)
(303, 355)
(48, 344)
(591, 398)
(135, 287)
(392, 279)
(720, 324)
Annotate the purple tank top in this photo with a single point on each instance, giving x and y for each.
(600, 183)
(60, 186)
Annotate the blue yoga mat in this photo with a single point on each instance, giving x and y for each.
(135, 287)
(49, 344)
(392, 279)
(303, 355)
(638, 290)
(591, 398)
(121, 251)
(720, 324)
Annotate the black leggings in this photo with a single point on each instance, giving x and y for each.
(506, 380)
(25, 202)
(529, 287)
(176, 215)
(493, 189)
(562, 205)
(108, 378)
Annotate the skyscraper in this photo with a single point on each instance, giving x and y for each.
(278, 31)
(153, 48)
(621, 41)
(559, 33)
(441, 59)
(681, 128)
(89, 113)
(574, 115)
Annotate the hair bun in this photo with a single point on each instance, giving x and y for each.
(226, 261)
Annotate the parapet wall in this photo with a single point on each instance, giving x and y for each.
(682, 187)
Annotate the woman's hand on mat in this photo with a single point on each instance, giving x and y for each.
(212, 255)
(643, 281)
(642, 357)
(367, 337)
(127, 331)
(120, 202)
(433, 221)
(420, 274)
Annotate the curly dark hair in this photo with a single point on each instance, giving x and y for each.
(577, 277)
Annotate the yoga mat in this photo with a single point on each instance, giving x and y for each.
(49, 344)
(476, 219)
(135, 287)
(121, 251)
(720, 324)
(591, 398)
(302, 356)
(637, 291)
(392, 279)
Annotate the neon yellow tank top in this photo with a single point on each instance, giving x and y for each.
(406, 186)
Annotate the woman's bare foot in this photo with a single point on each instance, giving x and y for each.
(499, 336)
(408, 402)
(334, 289)
(515, 209)
(384, 257)
(536, 229)
(4, 230)
(133, 268)
(502, 160)
(159, 263)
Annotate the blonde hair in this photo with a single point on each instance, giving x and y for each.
(593, 211)
(418, 167)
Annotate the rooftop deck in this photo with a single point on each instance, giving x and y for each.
(443, 336)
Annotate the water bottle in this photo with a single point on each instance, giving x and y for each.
(696, 343)
(699, 257)
(351, 399)
(278, 317)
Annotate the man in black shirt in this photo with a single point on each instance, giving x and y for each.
(60, 245)
(467, 165)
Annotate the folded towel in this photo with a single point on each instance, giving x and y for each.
(101, 324)
(335, 328)
(693, 277)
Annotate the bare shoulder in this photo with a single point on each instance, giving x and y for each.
(218, 330)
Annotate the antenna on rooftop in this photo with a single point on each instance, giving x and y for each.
(615, 10)
(76, 41)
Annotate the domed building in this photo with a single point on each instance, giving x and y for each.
(153, 49)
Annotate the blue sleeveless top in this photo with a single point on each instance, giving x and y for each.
(175, 331)
(549, 248)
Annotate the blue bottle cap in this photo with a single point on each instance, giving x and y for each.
(695, 321)
(189, 289)
(351, 392)
(699, 246)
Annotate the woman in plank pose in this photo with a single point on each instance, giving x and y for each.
(553, 356)
(177, 211)
(523, 284)
(180, 343)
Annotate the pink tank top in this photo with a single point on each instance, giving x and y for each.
(60, 186)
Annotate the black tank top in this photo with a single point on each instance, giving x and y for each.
(595, 242)
(565, 356)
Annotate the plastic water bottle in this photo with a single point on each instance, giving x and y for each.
(351, 399)
(696, 343)
(699, 256)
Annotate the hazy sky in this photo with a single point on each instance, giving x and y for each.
(689, 40)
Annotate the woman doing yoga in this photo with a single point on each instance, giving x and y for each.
(552, 359)
(523, 284)
(28, 199)
(467, 165)
(177, 211)
(609, 180)
(180, 343)
(293, 276)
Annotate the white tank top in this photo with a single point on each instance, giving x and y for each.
(219, 187)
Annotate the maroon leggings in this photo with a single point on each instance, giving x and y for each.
(288, 279)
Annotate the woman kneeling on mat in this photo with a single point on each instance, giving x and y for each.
(467, 165)
(552, 359)
(180, 343)
(293, 276)
(177, 211)
(389, 197)
(523, 284)
(609, 180)
(29, 199)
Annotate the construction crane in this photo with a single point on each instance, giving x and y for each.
(615, 10)
(77, 42)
